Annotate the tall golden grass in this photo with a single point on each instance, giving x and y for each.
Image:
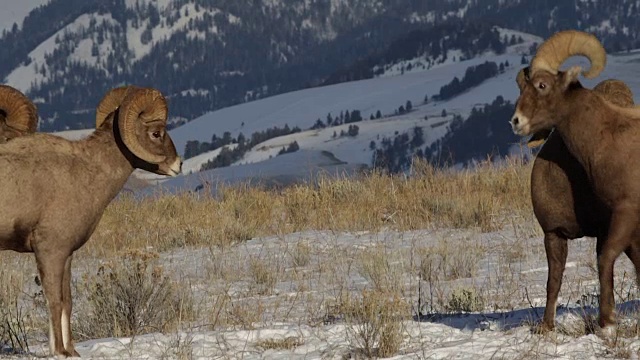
(486, 197)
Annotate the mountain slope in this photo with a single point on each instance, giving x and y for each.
(206, 55)
(303, 108)
(16, 12)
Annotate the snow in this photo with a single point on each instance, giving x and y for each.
(195, 163)
(351, 149)
(492, 333)
(385, 93)
(73, 134)
(604, 26)
(286, 169)
(160, 33)
(439, 341)
(303, 108)
(15, 12)
(23, 77)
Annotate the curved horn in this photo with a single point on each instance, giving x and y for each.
(564, 44)
(21, 113)
(140, 106)
(109, 103)
(522, 77)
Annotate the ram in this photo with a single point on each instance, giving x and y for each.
(18, 115)
(603, 138)
(55, 191)
(563, 201)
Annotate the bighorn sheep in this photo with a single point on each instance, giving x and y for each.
(55, 191)
(602, 136)
(563, 201)
(18, 115)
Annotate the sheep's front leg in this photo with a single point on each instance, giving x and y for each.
(67, 338)
(624, 221)
(51, 269)
(556, 248)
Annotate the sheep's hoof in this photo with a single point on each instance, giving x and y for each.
(607, 332)
(66, 354)
(542, 328)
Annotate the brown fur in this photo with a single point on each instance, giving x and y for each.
(603, 138)
(564, 203)
(54, 194)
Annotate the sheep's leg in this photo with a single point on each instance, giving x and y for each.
(623, 224)
(67, 338)
(633, 253)
(51, 271)
(556, 248)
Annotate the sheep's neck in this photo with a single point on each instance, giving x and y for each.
(578, 134)
(582, 129)
(113, 167)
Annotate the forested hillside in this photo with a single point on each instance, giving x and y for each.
(209, 54)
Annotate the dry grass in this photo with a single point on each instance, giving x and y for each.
(287, 343)
(486, 198)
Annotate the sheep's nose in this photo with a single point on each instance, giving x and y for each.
(514, 121)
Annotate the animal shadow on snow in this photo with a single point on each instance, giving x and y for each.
(524, 317)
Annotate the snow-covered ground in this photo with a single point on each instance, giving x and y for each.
(510, 276)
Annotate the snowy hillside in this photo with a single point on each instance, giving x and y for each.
(13, 12)
(303, 166)
(384, 94)
(302, 108)
(209, 55)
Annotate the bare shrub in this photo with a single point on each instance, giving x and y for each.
(301, 254)
(466, 299)
(442, 262)
(13, 325)
(378, 267)
(375, 323)
(287, 343)
(265, 273)
(132, 296)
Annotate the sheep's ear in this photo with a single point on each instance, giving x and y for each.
(538, 138)
(570, 76)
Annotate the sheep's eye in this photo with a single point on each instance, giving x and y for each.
(542, 85)
(156, 134)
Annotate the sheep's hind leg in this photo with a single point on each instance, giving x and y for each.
(556, 248)
(633, 253)
(623, 224)
(67, 337)
(51, 271)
